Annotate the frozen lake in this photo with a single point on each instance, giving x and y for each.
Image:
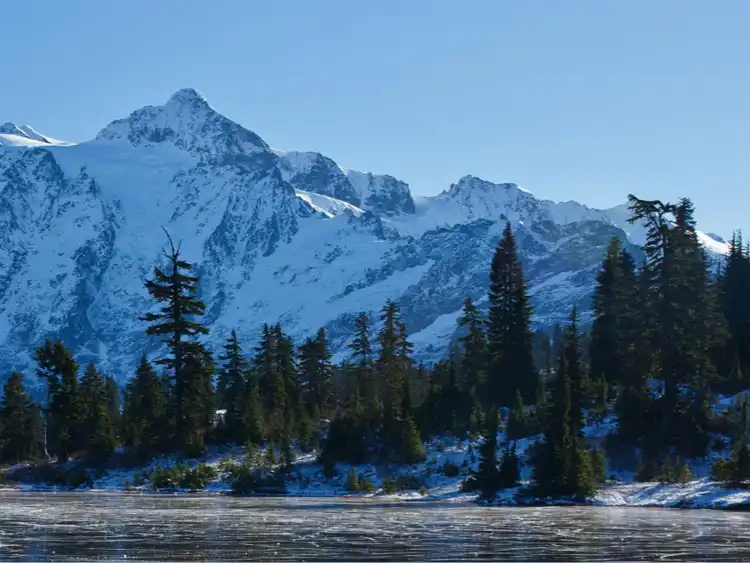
(39, 527)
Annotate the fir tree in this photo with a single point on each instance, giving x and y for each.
(510, 470)
(518, 423)
(58, 368)
(509, 337)
(97, 427)
(474, 344)
(487, 478)
(177, 325)
(20, 423)
(145, 413)
(316, 375)
(231, 389)
(605, 348)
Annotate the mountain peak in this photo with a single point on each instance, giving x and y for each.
(187, 97)
(188, 122)
(25, 136)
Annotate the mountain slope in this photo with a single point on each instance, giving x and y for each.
(277, 237)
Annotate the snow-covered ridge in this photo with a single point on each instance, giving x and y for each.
(277, 236)
(25, 136)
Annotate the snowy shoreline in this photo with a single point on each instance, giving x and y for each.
(696, 494)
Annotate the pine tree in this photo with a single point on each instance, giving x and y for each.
(97, 427)
(510, 470)
(114, 405)
(487, 478)
(735, 306)
(58, 368)
(146, 411)
(576, 372)
(509, 337)
(316, 375)
(562, 464)
(741, 455)
(605, 349)
(178, 326)
(518, 423)
(20, 423)
(389, 365)
(198, 398)
(231, 389)
(474, 344)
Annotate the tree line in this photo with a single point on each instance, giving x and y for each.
(668, 335)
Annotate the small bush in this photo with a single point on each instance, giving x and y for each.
(685, 475)
(352, 482)
(365, 485)
(450, 469)
(424, 491)
(247, 480)
(389, 486)
(408, 483)
(723, 470)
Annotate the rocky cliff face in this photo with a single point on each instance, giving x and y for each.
(277, 236)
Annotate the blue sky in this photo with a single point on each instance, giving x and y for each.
(576, 99)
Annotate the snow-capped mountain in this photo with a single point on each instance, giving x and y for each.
(277, 236)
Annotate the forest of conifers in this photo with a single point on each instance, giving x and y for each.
(669, 335)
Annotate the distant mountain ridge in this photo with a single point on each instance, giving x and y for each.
(277, 236)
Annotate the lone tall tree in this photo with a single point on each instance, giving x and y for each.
(175, 289)
(509, 337)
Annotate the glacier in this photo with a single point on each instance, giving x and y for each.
(276, 236)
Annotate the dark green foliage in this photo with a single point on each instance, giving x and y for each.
(450, 469)
(247, 480)
(509, 337)
(510, 468)
(177, 325)
(145, 416)
(598, 465)
(97, 428)
(474, 345)
(20, 423)
(518, 423)
(562, 464)
(64, 411)
(487, 478)
(182, 476)
(316, 375)
(736, 470)
(352, 481)
(232, 392)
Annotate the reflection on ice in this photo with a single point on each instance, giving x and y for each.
(80, 526)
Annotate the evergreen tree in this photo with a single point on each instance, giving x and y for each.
(114, 406)
(735, 306)
(57, 367)
(509, 337)
(518, 423)
(510, 470)
(316, 375)
(607, 340)
(487, 479)
(389, 365)
(362, 358)
(177, 325)
(97, 429)
(231, 390)
(562, 464)
(20, 423)
(474, 344)
(146, 411)
(198, 398)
